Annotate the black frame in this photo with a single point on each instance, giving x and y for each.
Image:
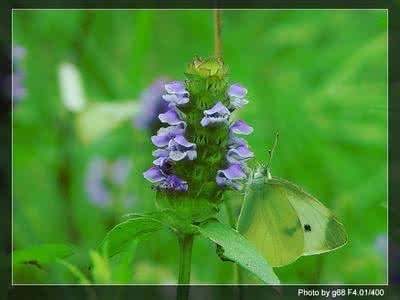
(204, 291)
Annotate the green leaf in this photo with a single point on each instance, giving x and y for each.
(120, 237)
(169, 218)
(41, 255)
(124, 272)
(101, 268)
(100, 118)
(237, 248)
(75, 271)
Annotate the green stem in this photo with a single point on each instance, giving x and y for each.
(185, 257)
(232, 221)
(230, 213)
(217, 34)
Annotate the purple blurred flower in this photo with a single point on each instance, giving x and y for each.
(96, 189)
(101, 174)
(171, 143)
(151, 105)
(217, 114)
(18, 76)
(236, 93)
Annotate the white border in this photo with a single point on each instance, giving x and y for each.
(281, 284)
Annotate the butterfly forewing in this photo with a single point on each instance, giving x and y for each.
(270, 222)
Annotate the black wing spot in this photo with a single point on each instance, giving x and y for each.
(307, 227)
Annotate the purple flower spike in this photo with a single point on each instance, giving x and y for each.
(217, 114)
(228, 176)
(240, 127)
(239, 154)
(165, 134)
(236, 93)
(173, 183)
(180, 148)
(171, 117)
(154, 174)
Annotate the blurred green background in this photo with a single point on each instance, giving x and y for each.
(319, 77)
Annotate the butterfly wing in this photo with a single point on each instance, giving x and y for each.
(322, 231)
(270, 223)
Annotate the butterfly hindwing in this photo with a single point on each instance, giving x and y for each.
(322, 231)
(270, 223)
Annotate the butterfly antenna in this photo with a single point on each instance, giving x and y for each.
(271, 154)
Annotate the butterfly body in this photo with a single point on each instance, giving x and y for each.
(284, 222)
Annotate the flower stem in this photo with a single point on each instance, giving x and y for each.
(217, 34)
(185, 257)
(230, 213)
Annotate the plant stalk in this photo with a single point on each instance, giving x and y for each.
(217, 34)
(185, 259)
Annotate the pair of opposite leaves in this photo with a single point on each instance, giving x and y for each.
(283, 222)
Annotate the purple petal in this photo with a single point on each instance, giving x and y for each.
(160, 161)
(217, 114)
(234, 171)
(161, 153)
(165, 134)
(173, 183)
(177, 155)
(181, 140)
(175, 100)
(160, 140)
(176, 87)
(236, 90)
(205, 121)
(222, 181)
(154, 174)
(238, 102)
(236, 141)
(240, 127)
(180, 148)
(241, 153)
(217, 108)
(171, 117)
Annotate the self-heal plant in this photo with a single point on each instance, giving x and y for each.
(199, 154)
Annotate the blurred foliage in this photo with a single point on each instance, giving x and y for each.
(319, 77)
